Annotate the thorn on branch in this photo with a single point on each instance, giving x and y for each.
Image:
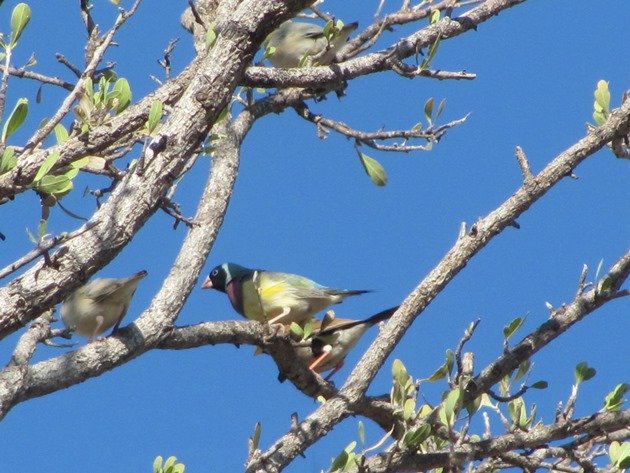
(44, 247)
(581, 281)
(155, 147)
(462, 231)
(98, 193)
(173, 209)
(87, 16)
(61, 333)
(166, 61)
(465, 369)
(523, 163)
(63, 60)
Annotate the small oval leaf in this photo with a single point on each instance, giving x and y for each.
(15, 120)
(19, 19)
(374, 169)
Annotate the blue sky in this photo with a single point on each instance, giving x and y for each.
(304, 205)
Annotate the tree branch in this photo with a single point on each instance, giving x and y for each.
(323, 419)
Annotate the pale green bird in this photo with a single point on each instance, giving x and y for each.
(98, 305)
(271, 297)
(293, 40)
(331, 341)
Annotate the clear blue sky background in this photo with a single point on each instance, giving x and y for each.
(304, 205)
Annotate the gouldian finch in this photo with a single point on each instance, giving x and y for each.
(273, 297)
(293, 40)
(331, 341)
(98, 305)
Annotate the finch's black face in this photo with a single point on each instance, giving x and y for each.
(216, 279)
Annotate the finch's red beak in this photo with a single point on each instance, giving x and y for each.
(207, 284)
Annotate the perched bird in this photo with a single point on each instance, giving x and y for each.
(331, 341)
(273, 297)
(98, 305)
(293, 40)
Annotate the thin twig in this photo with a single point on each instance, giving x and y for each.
(5, 81)
(63, 60)
(370, 138)
(195, 13)
(43, 248)
(86, 16)
(523, 164)
(581, 281)
(166, 61)
(63, 110)
(25, 347)
(410, 72)
(23, 73)
(460, 346)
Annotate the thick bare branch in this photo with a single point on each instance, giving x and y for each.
(136, 197)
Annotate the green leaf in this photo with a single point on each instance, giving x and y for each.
(374, 169)
(57, 186)
(211, 38)
(81, 162)
(450, 407)
(415, 438)
(157, 464)
(614, 400)
(523, 369)
(440, 373)
(222, 114)
(328, 30)
(123, 94)
(399, 372)
(620, 454)
(435, 17)
(308, 329)
(297, 330)
(583, 372)
(409, 409)
(512, 327)
(89, 88)
(602, 95)
(599, 117)
(256, 436)
(19, 19)
(41, 229)
(440, 108)
(449, 360)
(601, 105)
(15, 120)
(605, 284)
(155, 115)
(431, 54)
(445, 369)
(361, 432)
(46, 166)
(269, 51)
(61, 134)
(540, 385)
(518, 412)
(473, 406)
(428, 110)
(340, 462)
(71, 173)
(7, 161)
(170, 462)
